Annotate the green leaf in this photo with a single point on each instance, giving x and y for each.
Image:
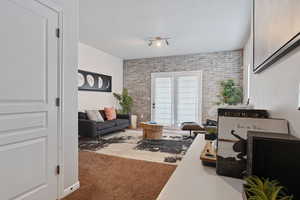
(275, 193)
(230, 93)
(264, 189)
(125, 101)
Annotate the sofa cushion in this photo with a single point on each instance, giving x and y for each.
(94, 115)
(106, 124)
(110, 113)
(122, 122)
(82, 115)
(123, 116)
(103, 114)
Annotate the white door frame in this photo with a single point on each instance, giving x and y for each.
(174, 74)
(58, 9)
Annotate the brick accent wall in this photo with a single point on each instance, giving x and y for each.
(216, 67)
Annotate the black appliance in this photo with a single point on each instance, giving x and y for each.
(275, 156)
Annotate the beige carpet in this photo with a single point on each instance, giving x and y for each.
(104, 177)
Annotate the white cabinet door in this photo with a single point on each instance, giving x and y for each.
(28, 89)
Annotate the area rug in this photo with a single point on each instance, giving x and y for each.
(104, 177)
(130, 144)
(167, 146)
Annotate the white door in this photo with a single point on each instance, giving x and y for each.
(176, 97)
(162, 102)
(187, 97)
(28, 89)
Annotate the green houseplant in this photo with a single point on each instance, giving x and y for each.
(211, 133)
(125, 101)
(230, 93)
(264, 189)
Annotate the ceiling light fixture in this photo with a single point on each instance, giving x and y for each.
(158, 42)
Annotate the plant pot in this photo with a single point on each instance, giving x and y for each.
(210, 136)
(133, 119)
(211, 132)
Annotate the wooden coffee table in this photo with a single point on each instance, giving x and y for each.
(152, 131)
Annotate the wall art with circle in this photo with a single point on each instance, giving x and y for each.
(91, 81)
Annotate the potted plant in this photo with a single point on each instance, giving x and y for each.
(126, 102)
(264, 189)
(211, 133)
(230, 94)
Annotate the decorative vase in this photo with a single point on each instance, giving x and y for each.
(133, 122)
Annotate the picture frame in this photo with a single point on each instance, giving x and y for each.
(273, 40)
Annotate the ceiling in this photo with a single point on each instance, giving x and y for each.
(120, 27)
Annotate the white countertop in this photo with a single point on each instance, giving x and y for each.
(193, 181)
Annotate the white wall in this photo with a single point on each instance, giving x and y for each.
(247, 63)
(277, 88)
(94, 60)
(69, 104)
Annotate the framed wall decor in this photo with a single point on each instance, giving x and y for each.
(91, 81)
(276, 31)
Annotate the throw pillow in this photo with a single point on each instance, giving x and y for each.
(94, 115)
(110, 113)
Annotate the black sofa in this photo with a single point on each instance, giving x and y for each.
(93, 129)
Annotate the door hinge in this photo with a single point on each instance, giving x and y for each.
(58, 33)
(58, 170)
(57, 101)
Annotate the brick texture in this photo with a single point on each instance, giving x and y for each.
(215, 67)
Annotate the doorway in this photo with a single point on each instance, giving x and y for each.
(176, 97)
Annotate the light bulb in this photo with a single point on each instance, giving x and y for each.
(158, 43)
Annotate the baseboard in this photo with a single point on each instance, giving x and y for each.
(71, 189)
